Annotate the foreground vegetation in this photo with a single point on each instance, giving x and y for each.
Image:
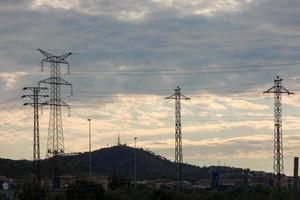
(84, 190)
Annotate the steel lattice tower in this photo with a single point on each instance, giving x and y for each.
(55, 140)
(178, 134)
(278, 90)
(36, 135)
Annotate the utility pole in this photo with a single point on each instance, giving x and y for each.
(246, 183)
(296, 178)
(90, 151)
(135, 162)
(36, 127)
(55, 140)
(178, 135)
(278, 90)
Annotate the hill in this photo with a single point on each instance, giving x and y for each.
(113, 160)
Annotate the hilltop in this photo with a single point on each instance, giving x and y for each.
(116, 160)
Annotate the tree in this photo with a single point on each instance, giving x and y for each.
(32, 192)
(85, 190)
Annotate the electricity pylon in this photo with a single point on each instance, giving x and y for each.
(278, 90)
(35, 97)
(55, 140)
(178, 135)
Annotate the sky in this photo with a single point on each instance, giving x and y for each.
(129, 55)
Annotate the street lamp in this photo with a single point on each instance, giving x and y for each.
(90, 151)
(135, 162)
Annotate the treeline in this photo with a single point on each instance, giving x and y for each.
(85, 190)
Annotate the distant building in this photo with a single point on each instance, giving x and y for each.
(147, 183)
(186, 184)
(215, 179)
(7, 188)
(3, 178)
(66, 180)
(103, 180)
(288, 181)
(46, 182)
(229, 182)
(8, 194)
(164, 183)
(202, 184)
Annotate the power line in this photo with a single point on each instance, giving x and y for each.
(94, 50)
(164, 91)
(190, 68)
(172, 48)
(179, 73)
(161, 94)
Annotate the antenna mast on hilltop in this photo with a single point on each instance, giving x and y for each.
(119, 139)
(55, 141)
(278, 90)
(178, 135)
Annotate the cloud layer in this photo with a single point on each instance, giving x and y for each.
(132, 10)
(128, 55)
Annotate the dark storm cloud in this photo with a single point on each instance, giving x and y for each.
(163, 39)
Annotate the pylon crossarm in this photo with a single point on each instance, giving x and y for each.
(28, 96)
(286, 91)
(184, 97)
(43, 96)
(46, 54)
(46, 81)
(61, 81)
(57, 103)
(62, 58)
(269, 90)
(171, 97)
(24, 96)
(53, 80)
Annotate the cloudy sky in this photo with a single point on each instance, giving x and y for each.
(128, 55)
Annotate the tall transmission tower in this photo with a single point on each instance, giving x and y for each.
(278, 90)
(55, 140)
(178, 135)
(35, 97)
